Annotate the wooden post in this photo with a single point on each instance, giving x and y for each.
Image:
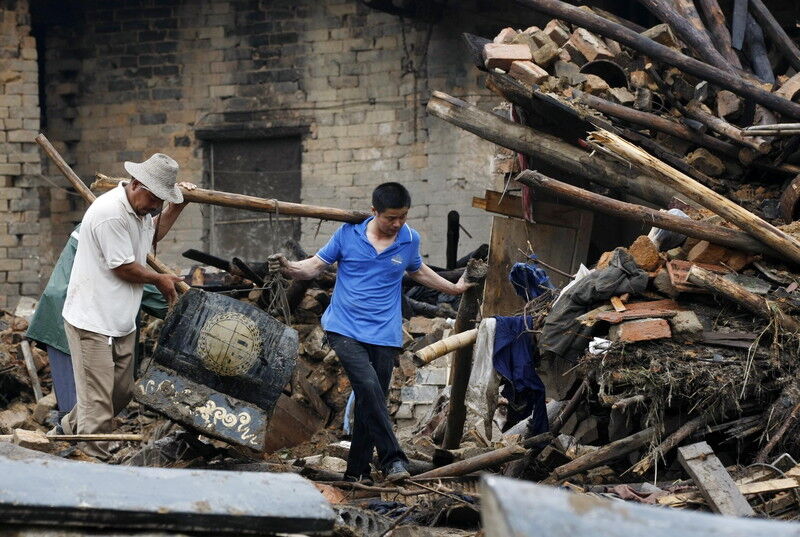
(725, 79)
(747, 221)
(718, 29)
(87, 195)
(573, 195)
(468, 311)
(30, 365)
(252, 203)
(547, 150)
(776, 33)
(732, 291)
(714, 482)
(453, 232)
(606, 453)
(756, 50)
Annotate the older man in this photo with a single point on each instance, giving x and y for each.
(105, 291)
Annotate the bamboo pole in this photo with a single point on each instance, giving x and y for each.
(252, 203)
(444, 346)
(722, 78)
(744, 219)
(573, 195)
(87, 195)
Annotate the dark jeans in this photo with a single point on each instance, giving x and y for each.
(369, 368)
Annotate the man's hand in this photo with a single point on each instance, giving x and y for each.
(166, 284)
(462, 284)
(276, 263)
(187, 186)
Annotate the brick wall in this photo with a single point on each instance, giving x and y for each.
(126, 79)
(19, 157)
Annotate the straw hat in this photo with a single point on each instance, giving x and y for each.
(158, 174)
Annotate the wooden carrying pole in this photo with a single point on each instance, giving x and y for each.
(573, 195)
(252, 203)
(747, 221)
(547, 150)
(438, 349)
(87, 195)
(724, 79)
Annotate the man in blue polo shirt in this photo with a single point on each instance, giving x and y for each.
(363, 322)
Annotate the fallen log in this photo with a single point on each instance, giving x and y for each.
(487, 460)
(573, 195)
(468, 311)
(444, 346)
(606, 453)
(783, 43)
(695, 110)
(655, 122)
(718, 29)
(744, 219)
(760, 306)
(725, 79)
(252, 203)
(697, 39)
(547, 150)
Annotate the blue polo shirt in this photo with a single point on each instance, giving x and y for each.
(366, 302)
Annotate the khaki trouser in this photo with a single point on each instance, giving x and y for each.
(103, 369)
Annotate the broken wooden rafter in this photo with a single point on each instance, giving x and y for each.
(725, 79)
(576, 196)
(546, 149)
(744, 219)
(696, 111)
(669, 443)
(718, 29)
(607, 453)
(697, 39)
(784, 44)
(252, 203)
(762, 307)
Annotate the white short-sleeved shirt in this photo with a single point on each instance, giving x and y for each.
(111, 234)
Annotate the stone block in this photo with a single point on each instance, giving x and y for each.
(419, 394)
(420, 326)
(584, 46)
(557, 31)
(42, 409)
(10, 169)
(501, 56)
(506, 35)
(595, 85)
(706, 162)
(431, 376)
(13, 417)
(30, 439)
(645, 253)
(686, 322)
(640, 330)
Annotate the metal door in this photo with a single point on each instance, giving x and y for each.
(266, 168)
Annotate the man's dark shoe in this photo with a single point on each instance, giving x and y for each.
(396, 471)
(56, 431)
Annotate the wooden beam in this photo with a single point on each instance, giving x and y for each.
(603, 455)
(713, 480)
(725, 79)
(765, 232)
(547, 150)
(718, 29)
(785, 45)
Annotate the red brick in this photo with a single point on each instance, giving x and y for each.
(527, 72)
(501, 56)
(505, 35)
(640, 330)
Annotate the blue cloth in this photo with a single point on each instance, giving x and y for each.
(529, 280)
(515, 360)
(63, 378)
(366, 303)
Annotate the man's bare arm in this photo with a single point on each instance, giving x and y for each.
(163, 222)
(306, 269)
(427, 277)
(138, 273)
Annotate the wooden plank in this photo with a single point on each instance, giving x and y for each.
(616, 317)
(51, 492)
(714, 482)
